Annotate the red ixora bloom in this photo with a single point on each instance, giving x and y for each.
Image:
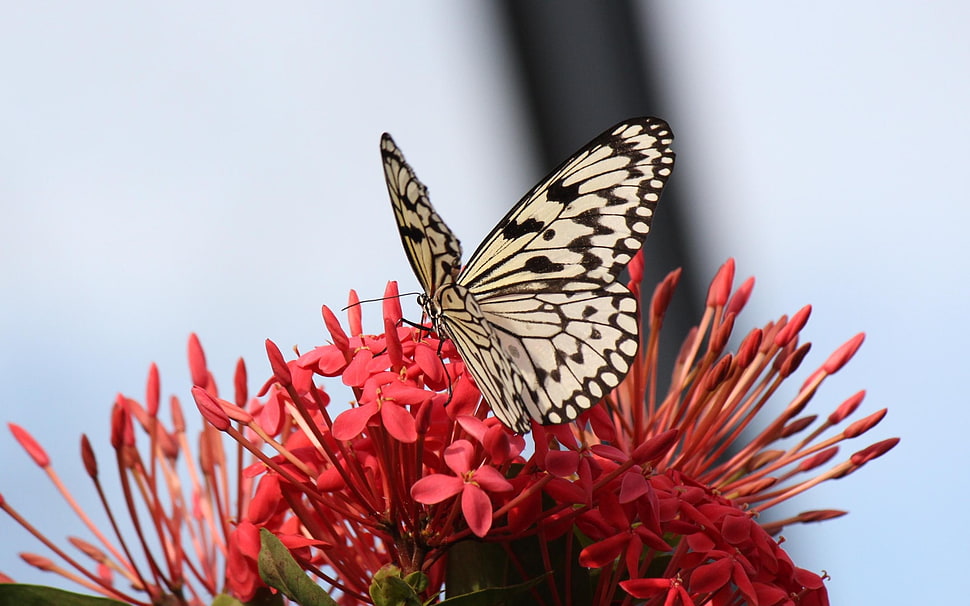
(473, 484)
(656, 494)
(651, 495)
(181, 541)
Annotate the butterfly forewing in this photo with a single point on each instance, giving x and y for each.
(587, 218)
(433, 251)
(536, 314)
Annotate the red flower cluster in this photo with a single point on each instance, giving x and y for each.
(654, 497)
(181, 525)
(650, 495)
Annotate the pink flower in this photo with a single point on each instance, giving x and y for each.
(473, 484)
(654, 494)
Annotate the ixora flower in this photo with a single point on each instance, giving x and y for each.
(416, 493)
(180, 509)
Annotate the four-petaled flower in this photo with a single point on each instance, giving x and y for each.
(472, 483)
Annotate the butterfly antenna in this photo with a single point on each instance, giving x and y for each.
(397, 296)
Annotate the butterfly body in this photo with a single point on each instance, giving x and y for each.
(536, 314)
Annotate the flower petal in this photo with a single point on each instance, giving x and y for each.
(328, 360)
(603, 552)
(646, 588)
(477, 509)
(350, 423)
(426, 357)
(491, 480)
(458, 456)
(562, 463)
(564, 491)
(632, 487)
(708, 578)
(357, 372)
(474, 426)
(464, 395)
(435, 488)
(399, 423)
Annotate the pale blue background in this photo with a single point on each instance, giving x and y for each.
(214, 168)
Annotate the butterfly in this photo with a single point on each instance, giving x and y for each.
(537, 314)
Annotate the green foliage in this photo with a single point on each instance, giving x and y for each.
(280, 571)
(484, 569)
(226, 600)
(263, 597)
(38, 595)
(389, 588)
(493, 596)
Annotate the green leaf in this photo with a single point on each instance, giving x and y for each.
(389, 589)
(264, 597)
(493, 595)
(37, 595)
(418, 580)
(226, 600)
(280, 571)
(475, 566)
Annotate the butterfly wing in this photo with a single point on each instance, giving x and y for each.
(435, 256)
(537, 315)
(433, 251)
(544, 279)
(500, 382)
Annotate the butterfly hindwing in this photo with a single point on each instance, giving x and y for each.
(571, 348)
(537, 315)
(501, 383)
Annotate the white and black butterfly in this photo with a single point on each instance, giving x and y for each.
(537, 314)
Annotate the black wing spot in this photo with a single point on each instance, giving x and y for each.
(542, 264)
(559, 193)
(513, 230)
(549, 234)
(580, 244)
(588, 311)
(414, 234)
(591, 262)
(588, 218)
